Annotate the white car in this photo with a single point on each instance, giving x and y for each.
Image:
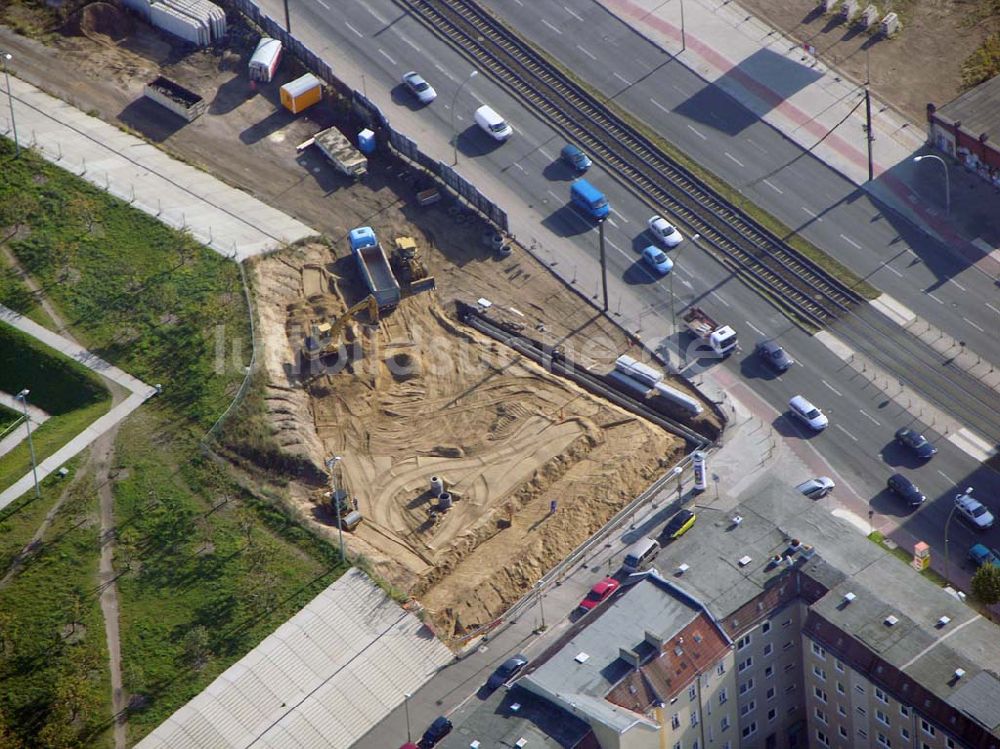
(657, 259)
(420, 88)
(807, 413)
(817, 488)
(973, 511)
(664, 232)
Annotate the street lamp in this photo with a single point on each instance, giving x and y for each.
(454, 131)
(947, 179)
(23, 397)
(406, 707)
(673, 308)
(947, 525)
(541, 602)
(13, 125)
(332, 464)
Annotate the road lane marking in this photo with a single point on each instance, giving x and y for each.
(619, 215)
(655, 103)
(323, 4)
(700, 135)
(973, 325)
(814, 215)
(553, 195)
(738, 162)
(544, 153)
(719, 298)
(519, 2)
(832, 387)
(931, 295)
(850, 241)
(616, 246)
(575, 15)
(870, 418)
(386, 55)
(611, 221)
(890, 268)
(757, 146)
(410, 42)
(554, 28)
(621, 78)
(768, 183)
(952, 280)
(754, 328)
(993, 308)
(587, 52)
(377, 16)
(353, 29)
(946, 477)
(846, 432)
(519, 166)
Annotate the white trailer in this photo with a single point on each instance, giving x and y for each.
(265, 59)
(342, 154)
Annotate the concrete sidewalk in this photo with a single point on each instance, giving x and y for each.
(139, 392)
(17, 434)
(780, 82)
(230, 221)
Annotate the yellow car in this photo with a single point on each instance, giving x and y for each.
(679, 524)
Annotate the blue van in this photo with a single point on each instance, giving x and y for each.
(589, 199)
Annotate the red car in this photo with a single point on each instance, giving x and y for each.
(599, 593)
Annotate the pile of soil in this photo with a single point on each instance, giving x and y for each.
(103, 23)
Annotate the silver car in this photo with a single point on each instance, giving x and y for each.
(973, 511)
(817, 488)
(420, 88)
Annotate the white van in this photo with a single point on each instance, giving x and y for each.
(640, 555)
(493, 124)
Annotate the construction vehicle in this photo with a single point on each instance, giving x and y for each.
(721, 338)
(325, 338)
(374, 266)
(409, 266)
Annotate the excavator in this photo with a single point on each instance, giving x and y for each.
(325, 338)
(409, 267)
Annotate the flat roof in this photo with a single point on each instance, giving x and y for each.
(978, 109)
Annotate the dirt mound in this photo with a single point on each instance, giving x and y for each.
(100, 22)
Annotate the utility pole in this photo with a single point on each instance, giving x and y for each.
(868, 115)
(604, 265)
(10, 100)
(288, 20)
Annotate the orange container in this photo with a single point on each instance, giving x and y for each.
(301, 93)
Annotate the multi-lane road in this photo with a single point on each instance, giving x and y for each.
(376, 38)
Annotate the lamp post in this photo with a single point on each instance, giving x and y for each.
(947, 179)
(406, 707)
(673, 308)
(454, 131)
(13, 125)
(332, 464)
(947, 525)
(23, 397)
(541, 602)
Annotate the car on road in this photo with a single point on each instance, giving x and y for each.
(980, 555)
(773, 355)
(679, 524)
(973, 511)
(915, 442)
(440, 728)
(664, 232)
(599, 593)
(807, 413)
(657, 259)
(905, 489)
(420, 88)
(576, 158)
(507, 671)
(817, 488)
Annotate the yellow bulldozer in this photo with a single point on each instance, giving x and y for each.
(325, 338)
(409, 267)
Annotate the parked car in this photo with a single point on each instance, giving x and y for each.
(916, 442)
(679, 524)
(773, 355)
(817, 488)
(973, 511)
(599, 593)
(664, 232)
(981, 555)
(807, 413)
(507, 671)
(420, 88)
(440, 728)
(657, 259)
(576, 158)
(905, 489)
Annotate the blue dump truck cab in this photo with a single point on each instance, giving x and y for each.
(589, 199)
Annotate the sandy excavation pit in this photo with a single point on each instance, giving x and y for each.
(422, 396)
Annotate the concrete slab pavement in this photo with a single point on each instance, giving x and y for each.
(230, 221)
(16, 433)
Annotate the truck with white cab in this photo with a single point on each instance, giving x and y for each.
(721, 338)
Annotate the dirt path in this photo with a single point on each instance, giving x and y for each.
(37, 292)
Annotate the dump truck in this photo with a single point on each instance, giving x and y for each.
(721, 338)
(341, 152)
(374, 266)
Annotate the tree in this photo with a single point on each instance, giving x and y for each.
(986, 584)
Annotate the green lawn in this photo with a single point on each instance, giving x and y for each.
(8, 418)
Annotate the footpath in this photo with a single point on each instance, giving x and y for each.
(15, 434)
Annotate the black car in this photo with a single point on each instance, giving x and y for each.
(506, 671)
(905, 489)
(440, 728)
(773, 356)
(915, 442)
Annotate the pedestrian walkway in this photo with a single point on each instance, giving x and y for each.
(230, 221)
(139, 392)
(15, 434)
(824, 113)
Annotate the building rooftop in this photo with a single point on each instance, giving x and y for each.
(978, 109)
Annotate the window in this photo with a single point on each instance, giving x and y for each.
(769, 672)
(723, 696)
(692, 692)
(721, 669)
(786, 623)
(904, 711)
(789, 667)
(743, 642)
(838, 664)
(728, 745)
(905, 733)
(881, 717)
(724, 723)
(750, 729)
(883, 740)
(745, 665)
(862, 733)
(765, 628)
(748, 708)
(880, 696)
(860, 689)
(840, 688)
(694, 718)
(926, 727)
(768, 649)
(842, 731)
(770, 693)
(841, 711)
(820, 716)
(789, 689)
(819, 673)
(821, 738)
(772, 714)
(746, 686)
(675, 720)
(949, 742)
(677, 745)
(862, 711)
(695, 745)
(820, 694)
(818, 651)
(788, 645)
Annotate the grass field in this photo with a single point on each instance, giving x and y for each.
(208, 568)
(8, 417)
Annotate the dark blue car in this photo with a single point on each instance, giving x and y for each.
(575, 157)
